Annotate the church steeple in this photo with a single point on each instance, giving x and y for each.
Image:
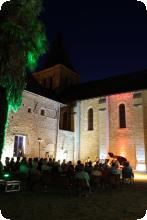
(58, 54)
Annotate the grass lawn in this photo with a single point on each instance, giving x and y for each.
(129, 202)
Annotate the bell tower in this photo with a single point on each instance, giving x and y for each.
(59, 72)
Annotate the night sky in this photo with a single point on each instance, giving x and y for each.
(103, 38)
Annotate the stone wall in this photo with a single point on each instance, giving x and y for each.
(138, 130)
(129, 141)
(144, 97)
(65, 146)
(33, 125)
(103, 127)
(89, 138)
(106, 136)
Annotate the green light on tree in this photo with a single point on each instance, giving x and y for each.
(23, 41)
(32, 61)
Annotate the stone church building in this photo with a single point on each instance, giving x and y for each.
(64, 119)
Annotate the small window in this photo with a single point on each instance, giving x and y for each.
(102, 109)
(137, 95)
(29, 110)
(90, 119)
(122, 116)
(102, 100)
(42, 112)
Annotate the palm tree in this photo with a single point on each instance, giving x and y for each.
(22, 42)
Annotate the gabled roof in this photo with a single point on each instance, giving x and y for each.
(103, 87)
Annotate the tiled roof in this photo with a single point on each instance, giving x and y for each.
(113, 85)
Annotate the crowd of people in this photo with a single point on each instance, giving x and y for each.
(92, 174)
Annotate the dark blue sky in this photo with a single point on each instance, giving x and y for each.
(103, 38)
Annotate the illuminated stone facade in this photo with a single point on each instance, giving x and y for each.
(65, 131)
(107, 136)
(37, 118)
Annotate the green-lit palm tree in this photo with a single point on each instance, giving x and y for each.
(22, 42)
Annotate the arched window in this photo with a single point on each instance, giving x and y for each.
(90, 119)
(122, 116)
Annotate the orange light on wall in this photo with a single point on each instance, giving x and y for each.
(122, 140)
(122, 153)
(121, 96)
(122, 144)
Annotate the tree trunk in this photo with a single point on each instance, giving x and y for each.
(3, 118)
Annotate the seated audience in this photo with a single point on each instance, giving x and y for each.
(44, 166)
(127, 170)
(81, 174)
